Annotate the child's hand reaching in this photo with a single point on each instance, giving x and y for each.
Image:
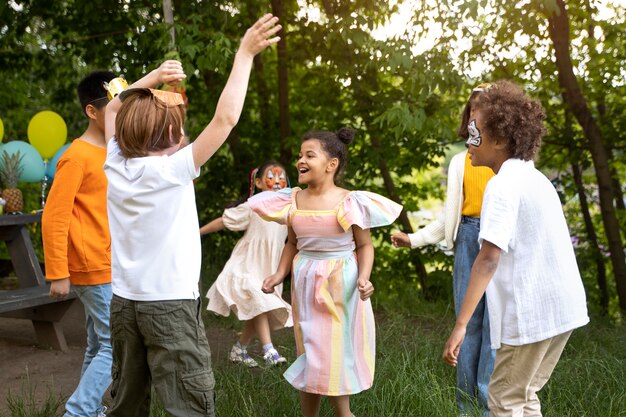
(366, 289)
(258, 36)
(170, 72)
(270, 282)
(400, 239)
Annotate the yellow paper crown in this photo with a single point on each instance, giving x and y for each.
(115, 86)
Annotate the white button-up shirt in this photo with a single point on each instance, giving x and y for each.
(536, 292)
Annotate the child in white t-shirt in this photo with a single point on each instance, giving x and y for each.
(526, 262)
(157, 331)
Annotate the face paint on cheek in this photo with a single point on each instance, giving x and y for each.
(275, 179)
(474, 138)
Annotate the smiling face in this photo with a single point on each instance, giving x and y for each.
(273, 179)
(313, 164)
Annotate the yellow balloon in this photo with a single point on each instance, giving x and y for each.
(1, 130)
(47, 132)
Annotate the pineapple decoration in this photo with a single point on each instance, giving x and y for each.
(10, 171)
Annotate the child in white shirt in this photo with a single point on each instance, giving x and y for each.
(526, 262)
(157, 331)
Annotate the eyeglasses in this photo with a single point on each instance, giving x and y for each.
(95, 100)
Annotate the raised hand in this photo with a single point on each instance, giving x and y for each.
(260, 35)
(170, 72)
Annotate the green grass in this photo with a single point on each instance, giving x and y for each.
(411, 379)
(23, 403)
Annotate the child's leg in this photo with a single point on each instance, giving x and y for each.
(247, 333)
(310, 404)
(557, 344)
(130, 389)
(470, 385)
(262, 327)
(341, 405)
(179, 356)
(521, 371)
(96, 371)
(270, 354)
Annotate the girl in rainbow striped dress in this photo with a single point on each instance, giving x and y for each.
(330, 253)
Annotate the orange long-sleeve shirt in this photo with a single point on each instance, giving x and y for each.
(75, 227)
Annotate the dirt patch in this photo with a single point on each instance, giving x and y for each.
(24, 365)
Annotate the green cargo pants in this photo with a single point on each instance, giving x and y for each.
(160, 344)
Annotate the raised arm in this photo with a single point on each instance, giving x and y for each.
(169, 72)
(230, 103)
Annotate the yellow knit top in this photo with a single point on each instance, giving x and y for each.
(474, 183)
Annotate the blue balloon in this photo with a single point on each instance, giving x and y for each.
(51, 167)
(32, 163)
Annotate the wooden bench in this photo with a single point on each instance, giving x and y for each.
(31, 301)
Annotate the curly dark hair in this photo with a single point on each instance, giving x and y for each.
(509, 114)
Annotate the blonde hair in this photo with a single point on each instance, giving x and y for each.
(143, 124)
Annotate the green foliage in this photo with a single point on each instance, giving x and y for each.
(404, 105)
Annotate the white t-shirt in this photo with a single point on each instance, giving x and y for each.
(536, 292)
(155, 243)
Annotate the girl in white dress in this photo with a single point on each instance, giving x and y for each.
(256, 255)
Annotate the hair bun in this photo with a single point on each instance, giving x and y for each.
(346, 135)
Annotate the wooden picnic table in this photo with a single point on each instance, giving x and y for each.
(30, 300)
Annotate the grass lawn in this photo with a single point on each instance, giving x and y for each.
(411, 379)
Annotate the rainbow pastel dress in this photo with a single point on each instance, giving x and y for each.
(334, 329)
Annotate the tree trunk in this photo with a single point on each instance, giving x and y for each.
(168, 16)
(404, 218)
(283, 87)
(558, 26)
(593, 239)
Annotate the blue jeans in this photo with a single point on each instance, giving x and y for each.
(476, 358)
(95, 376)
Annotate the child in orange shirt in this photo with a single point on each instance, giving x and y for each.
(77, 245)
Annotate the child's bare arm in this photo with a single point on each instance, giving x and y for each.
(230, 104)
(365, 260)
(214, 225)
(482, 271)
(284, 266)
(169, 72)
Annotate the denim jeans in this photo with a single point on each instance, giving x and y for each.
(160, 344)
(476, 358)
(95, 376)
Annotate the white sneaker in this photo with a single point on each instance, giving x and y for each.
(102, 412)
(272, 357)
(239, 355)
